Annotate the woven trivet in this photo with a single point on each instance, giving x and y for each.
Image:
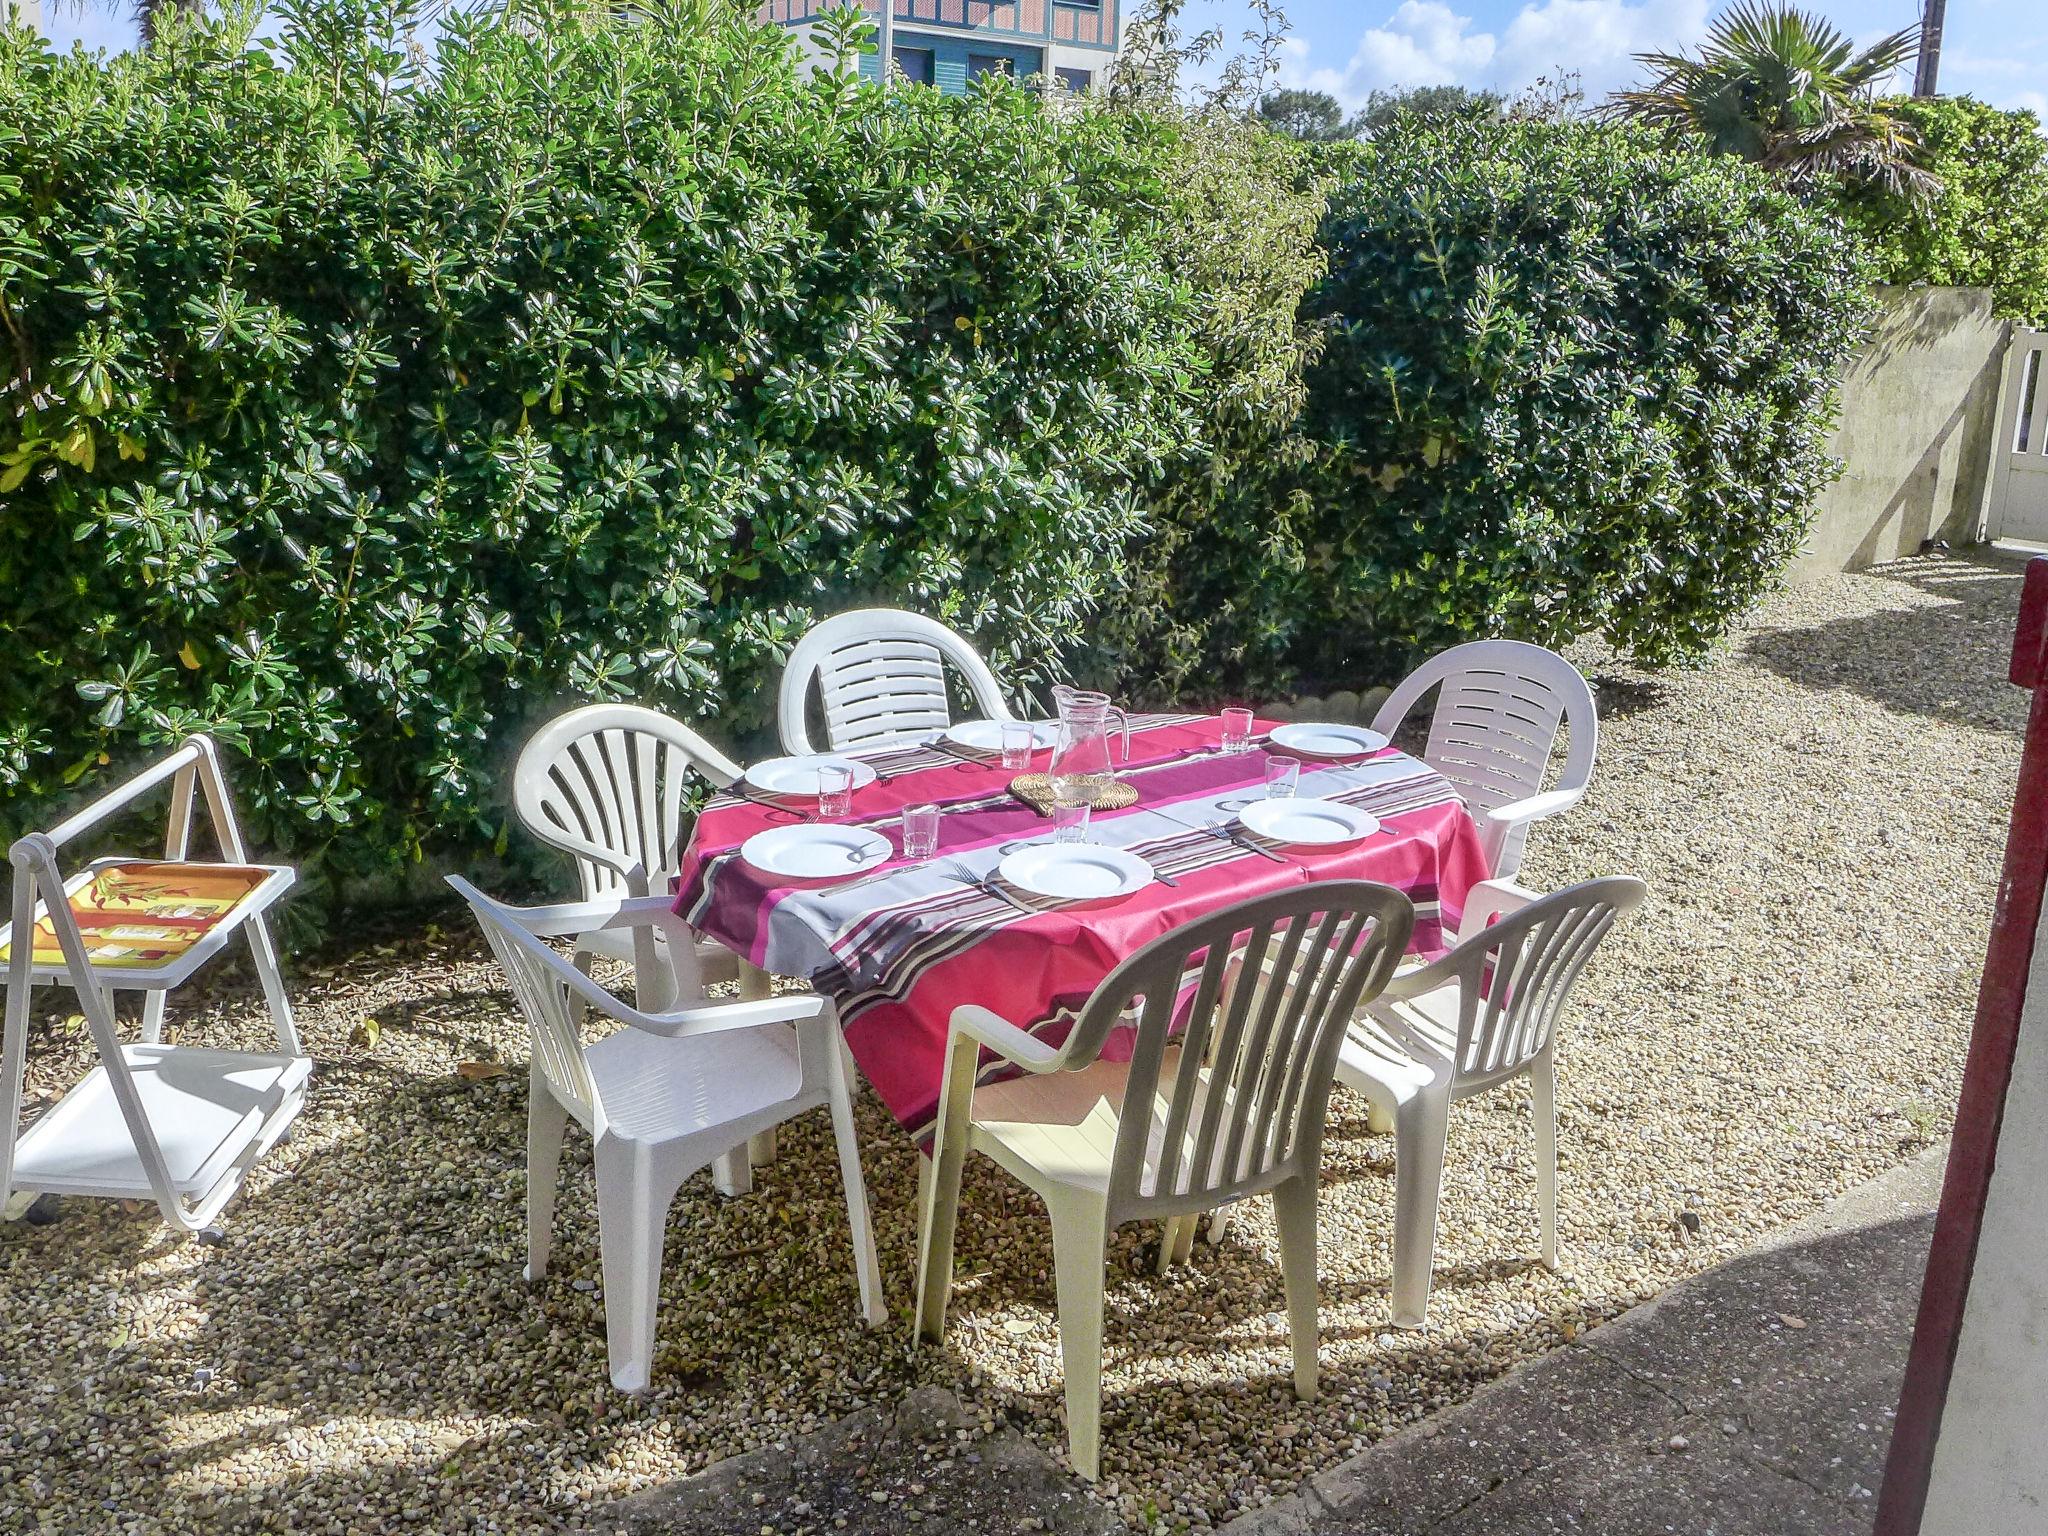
(1035, 790)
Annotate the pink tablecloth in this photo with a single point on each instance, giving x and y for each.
(897, 954)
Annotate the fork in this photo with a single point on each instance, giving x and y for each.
(1217, 829)
(965, 876)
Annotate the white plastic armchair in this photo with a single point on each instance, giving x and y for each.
(1469, 1021)
(1230, 1105)
(1499, 706)
(661, 1098)
(881, 674)
(604, 784)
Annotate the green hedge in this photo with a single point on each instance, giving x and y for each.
(364, 416)
(1569, 381)
(1988, 226)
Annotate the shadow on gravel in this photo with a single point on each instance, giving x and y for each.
(1923, 660)
(1774, 1373)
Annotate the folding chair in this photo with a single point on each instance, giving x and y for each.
(178, 1124)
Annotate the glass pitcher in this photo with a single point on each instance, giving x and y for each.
(1082, 767)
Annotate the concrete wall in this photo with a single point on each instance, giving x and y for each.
(1915, 431)
(29, 11)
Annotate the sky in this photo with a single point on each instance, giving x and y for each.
(1994, 49)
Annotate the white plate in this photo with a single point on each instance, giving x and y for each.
(1308, 823)
(987, 735)
(799, 775)
(1327, 740)
(1076, 871)
(816, 851)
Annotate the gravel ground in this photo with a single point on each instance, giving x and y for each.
(1819, 813)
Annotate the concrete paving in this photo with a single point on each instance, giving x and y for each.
(930, 1465)
(1753, 1400)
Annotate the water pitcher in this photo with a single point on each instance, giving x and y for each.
(1082, 765)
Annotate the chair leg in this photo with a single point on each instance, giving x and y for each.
(866, 1268)
(732, 1173)
(1543, 1091)
(1080, 1240)
(1294, 1210)
(1420, 1126)
(1170, 1233)
(942, 1189)
(546, 1120)
(632, 1215)
(936, 1226)
(263, 955)
(1219, 1223)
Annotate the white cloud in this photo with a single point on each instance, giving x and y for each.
(1425, 42)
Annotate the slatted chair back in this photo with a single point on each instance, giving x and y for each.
(1239, 1106)
(1500, 704)
(605, 784)
(544, 984)
(881, 677)
(1515, 976)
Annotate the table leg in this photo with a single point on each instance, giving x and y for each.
(756, 983)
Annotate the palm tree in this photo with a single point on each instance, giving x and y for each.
(147, 14)
(1787, 89)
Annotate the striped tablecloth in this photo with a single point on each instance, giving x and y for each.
(897, 954)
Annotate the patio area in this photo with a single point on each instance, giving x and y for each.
(1818, 813)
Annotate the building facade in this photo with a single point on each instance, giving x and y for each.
(947, 43)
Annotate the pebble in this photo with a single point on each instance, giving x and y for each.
(373, 1356)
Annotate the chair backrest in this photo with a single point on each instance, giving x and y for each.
(1515, 975)
(1499, 706)
(881, 673)
(605, 784)
(541, 984)
(1256, 997)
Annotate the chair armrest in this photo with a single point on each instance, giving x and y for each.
(579, 847)
(1005, 1038)
(1532, 808)
(713, 1018)
(1491, 899)
(1443, 971)
(573, 917)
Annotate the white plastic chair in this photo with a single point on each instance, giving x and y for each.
(881, 673)
(179, 1124)
(1230, 1105)
(1469, 1021)
(604, 784)
(1497, 716)
(661, 1099)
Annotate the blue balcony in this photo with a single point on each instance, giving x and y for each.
(1069, 23)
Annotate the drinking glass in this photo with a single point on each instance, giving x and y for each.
(1237, 730)
(835, 791)
(1070, 821)
(1020, 739)
(1283, 776)
(920, 831)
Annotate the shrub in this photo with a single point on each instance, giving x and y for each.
(363, 415)
(1987, 227)
(1241, 232)
(1571, 382)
